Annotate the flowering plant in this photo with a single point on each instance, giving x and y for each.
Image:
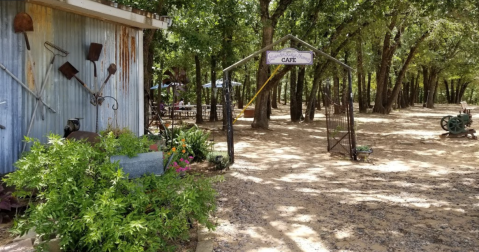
(182, 165)
(181, 161)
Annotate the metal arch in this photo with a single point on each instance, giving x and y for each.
(291, 37)
(227, 90)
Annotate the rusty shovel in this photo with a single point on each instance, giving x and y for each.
(111, 71)
(69, 71)
(93, 55)
(23, 23)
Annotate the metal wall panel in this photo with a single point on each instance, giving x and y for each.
(73, 33)
(11, 56)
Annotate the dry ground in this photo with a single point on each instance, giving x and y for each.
(285, 192)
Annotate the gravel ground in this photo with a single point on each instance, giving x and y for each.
(285, 192)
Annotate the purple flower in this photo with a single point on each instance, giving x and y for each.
(190, 157)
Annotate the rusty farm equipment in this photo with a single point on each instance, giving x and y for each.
(458, 126)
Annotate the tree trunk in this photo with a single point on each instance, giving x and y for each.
(147, 75)
(274, 102)
(199, 109)
(416, 89)
(207, 91)
(360, 75)
(318, 101)
(463, 90)
(268, 24)
(369, 90)
(299, 92)
(402, 72)
(471, 95)
(458, 91)
(279, 93)
(336, 99)
(213, 114)
(243, 93)
(261, 109)
(292, 96)
(314, 91)
(432, 89)
(269, 105)
(285, 92)
(446, 86)
(385, 64)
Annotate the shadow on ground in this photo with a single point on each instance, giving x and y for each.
(419, 192)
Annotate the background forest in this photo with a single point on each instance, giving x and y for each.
(403, 52)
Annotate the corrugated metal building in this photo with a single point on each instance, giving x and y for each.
(71, 25)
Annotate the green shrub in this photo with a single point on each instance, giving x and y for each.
(126, 143)
(88, 202)
(219, 158)
(197, 144)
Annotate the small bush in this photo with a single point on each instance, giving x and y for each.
(91, 206)
(219, 158)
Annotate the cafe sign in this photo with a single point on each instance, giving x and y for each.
(289, 56)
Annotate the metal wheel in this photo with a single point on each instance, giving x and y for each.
(455, 125)
(444, 122)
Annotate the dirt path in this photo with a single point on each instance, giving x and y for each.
(419, 192)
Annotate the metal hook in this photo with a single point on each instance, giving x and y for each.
(102, 98)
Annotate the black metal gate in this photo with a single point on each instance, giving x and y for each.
(339, 125)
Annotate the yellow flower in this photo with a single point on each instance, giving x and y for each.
(173, 149)
(183, 140)
(169, 153)
(183, 151)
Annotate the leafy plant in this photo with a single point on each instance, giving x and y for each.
(219, 158)
(363, 148)
(125, 144)
(91, 206)
(197, 143)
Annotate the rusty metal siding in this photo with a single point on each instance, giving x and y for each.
(12, 57)
(74, 33)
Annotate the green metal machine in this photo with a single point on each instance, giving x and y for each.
(457, 125)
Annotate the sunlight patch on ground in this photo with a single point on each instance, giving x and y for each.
(392, 166)
(402, 200)
(304, 177)
(371, 120)
(242, 145)
(246, 178)
(308, 190)
(343, 234)
(306, 238)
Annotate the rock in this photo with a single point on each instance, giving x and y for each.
(54, 245)
(205, 246)
(19, 246)
(31, 235)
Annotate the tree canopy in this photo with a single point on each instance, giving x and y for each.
(403, 51)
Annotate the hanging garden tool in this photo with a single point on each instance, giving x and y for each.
(23, 23)
(93, 55)
(25, 86)
(111, 71)
(69, 71)
(39, 100)
(56, 51)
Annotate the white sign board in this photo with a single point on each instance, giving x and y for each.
(289, 56)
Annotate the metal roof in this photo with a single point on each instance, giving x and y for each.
(101, 11)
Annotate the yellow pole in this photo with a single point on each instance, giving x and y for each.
(274, 72)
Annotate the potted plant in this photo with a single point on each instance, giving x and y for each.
(363, 152)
